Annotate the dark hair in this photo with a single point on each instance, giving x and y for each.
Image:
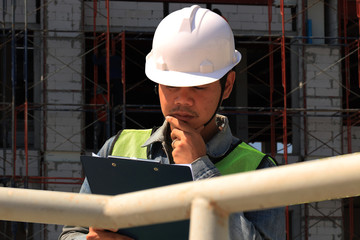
(224, 79)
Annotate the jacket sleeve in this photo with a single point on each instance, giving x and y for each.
(76, 232)
(203, 168)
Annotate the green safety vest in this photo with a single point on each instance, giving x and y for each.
(241, 159)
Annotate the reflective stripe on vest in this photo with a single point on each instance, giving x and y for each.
(243, 158)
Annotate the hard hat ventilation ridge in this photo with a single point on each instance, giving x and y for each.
(187, 22)
(206, 67)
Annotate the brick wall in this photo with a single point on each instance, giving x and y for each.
(324, 95)
(323, 90)
(20, 170)
(325, 220)
(140, 15)
(64, 70)
(19, 12)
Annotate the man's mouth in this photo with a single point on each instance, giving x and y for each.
(183, 113)
(182, 116)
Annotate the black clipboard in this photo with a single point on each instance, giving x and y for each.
(118, 175)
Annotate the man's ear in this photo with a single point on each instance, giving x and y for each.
(230, 80)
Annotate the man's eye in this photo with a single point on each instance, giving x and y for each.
(169, 87)
(199, 88)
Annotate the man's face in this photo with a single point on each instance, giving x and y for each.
(193, 105)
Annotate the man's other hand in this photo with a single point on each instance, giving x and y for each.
(102, 234)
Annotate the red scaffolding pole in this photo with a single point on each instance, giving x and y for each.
(283, 77)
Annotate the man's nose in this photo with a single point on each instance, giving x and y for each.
(184, 97)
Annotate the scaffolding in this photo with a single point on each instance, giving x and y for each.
(276, 115)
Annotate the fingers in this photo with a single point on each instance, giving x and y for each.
(187, 142)
(173, 143)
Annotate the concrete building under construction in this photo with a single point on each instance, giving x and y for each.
(72, 75)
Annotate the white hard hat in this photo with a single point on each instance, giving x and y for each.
(191, 47)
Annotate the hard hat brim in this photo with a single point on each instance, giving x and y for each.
(186, 79)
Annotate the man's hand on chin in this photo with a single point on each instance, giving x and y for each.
(187, 142)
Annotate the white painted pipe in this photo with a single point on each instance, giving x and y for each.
(208, 222)
(317, 180)
(26, 205)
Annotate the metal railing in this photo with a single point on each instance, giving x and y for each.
(207, 203)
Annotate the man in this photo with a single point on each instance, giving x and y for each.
(191, 61)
